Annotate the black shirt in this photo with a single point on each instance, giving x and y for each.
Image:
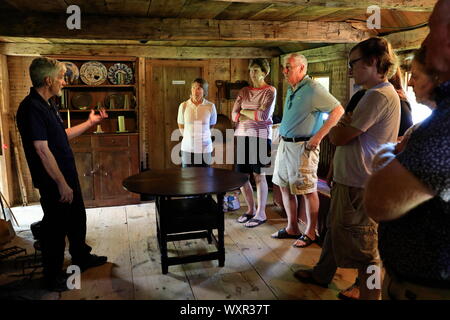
(405, 117)
(38, 119)
(417, 246)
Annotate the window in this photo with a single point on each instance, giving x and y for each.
(324, 81)
(419, 111)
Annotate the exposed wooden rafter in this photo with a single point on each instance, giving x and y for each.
(408, 40)
(409, 5)
(400, 41)
(33, 49)
(136, 28)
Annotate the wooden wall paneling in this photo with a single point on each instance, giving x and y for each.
(219, 69)
(338, 72)
(174, 94)
(238, 72)
(6, 173)
(239, 69)
(276, 79)
(155, 116)
(142, 111)
(19, 84)
(340, 81)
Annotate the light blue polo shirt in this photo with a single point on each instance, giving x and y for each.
(304, 107)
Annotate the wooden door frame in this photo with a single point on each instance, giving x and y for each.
(146, 114)
(5, 122)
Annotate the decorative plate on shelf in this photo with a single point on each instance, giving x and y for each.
(93, 73)
(120, 73)
(72, 73)
(81, 101)
(115, 101)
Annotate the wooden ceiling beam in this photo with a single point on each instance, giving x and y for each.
(409, 5)
(400, 41)
(35, 49)
(137, 28)
(408, 40)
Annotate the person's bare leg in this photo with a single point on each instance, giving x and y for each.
(247, 191)
(277, 199)
(352, 292)
(290, 205)
(366, 293)
(311, 203)
(261, 192)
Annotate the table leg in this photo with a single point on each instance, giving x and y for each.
(162, 235)
(209, 236)
(221, 230)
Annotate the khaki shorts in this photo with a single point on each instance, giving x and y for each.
(354, 235)
(296, 167)
(394, 289)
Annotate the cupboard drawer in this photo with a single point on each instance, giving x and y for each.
(113, 141)
(81, 142)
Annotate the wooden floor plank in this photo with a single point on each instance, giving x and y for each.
(237, 280)
(275, 272)
(296, 258)
(107, 235)
(149, 282)
(256, 265)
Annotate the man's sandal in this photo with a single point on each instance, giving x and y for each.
(306, 276)
(307, 240)
(283, 234)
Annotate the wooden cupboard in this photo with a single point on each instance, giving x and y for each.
(103, 162)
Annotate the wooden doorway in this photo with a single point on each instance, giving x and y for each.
(169, 85)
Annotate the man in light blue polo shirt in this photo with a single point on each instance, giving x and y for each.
(302, 129)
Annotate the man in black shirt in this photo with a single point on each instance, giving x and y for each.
(53, 170)
(410, 196)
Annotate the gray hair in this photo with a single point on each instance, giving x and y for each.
(42, 68)
(300, 59)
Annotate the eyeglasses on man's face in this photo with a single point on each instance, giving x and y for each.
(352, 62)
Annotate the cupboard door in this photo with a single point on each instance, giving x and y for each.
(114, 167)
(86, 173)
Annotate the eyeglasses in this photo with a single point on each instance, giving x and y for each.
(352, 62)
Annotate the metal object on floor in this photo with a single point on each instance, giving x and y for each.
(11, 251)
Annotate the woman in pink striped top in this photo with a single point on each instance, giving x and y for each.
(252, 113)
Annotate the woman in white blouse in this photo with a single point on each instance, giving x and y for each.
(196, 117)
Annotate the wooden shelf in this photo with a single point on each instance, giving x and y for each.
(107, 110)
(100, 86)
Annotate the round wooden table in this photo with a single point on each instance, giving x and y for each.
(191, 217)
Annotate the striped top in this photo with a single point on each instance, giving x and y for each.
(262, 102)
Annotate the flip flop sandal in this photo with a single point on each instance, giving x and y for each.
(246, 217)
(307, 240)
(282, 234)
(306, 276)
(258, 223)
